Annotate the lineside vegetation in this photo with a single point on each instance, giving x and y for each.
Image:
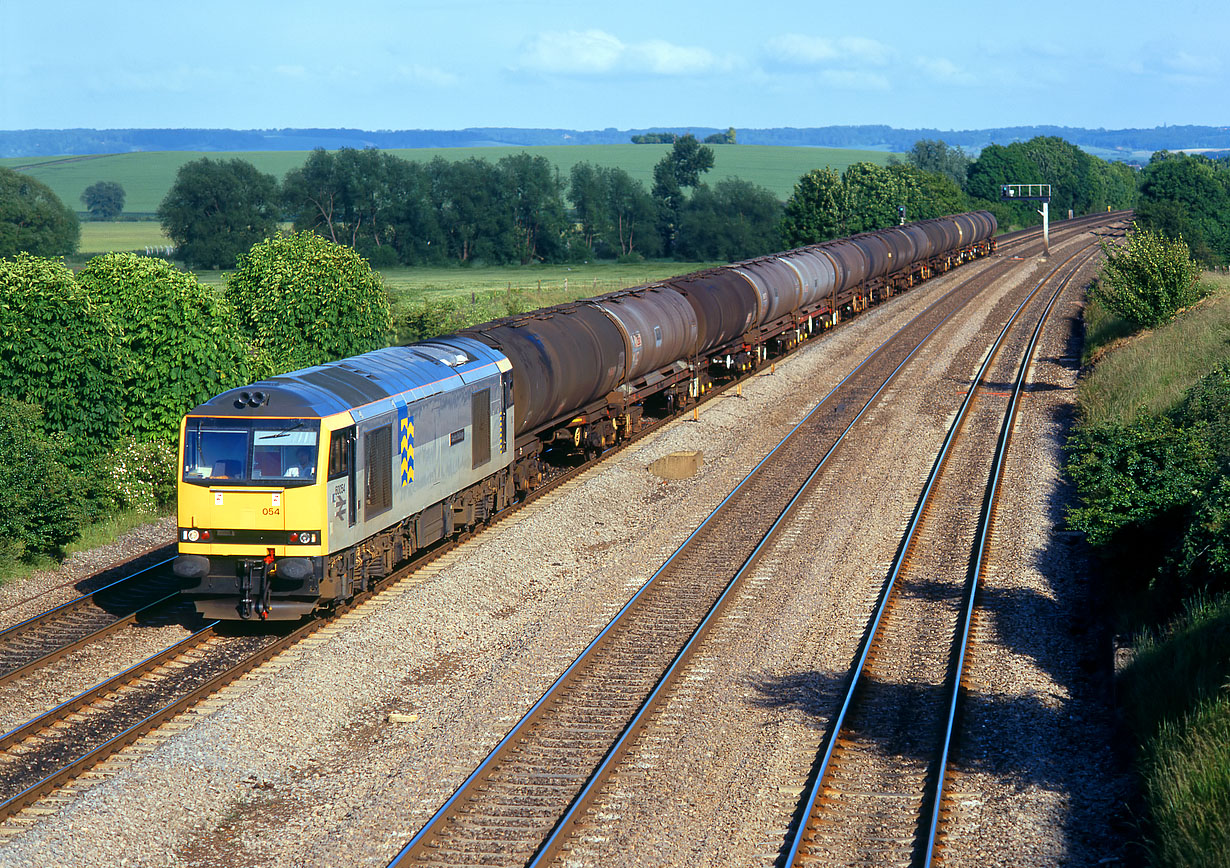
(1150, 458)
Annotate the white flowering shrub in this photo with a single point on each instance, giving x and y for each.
(141, 474)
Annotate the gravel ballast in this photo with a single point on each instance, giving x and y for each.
(300, 763)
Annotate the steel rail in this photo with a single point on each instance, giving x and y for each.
(149, 553)
(985, 521)
(116, 743)
(452, 805)
(151, 722)
(899, 562)
(84, 639)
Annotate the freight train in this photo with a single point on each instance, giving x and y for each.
(299, 491)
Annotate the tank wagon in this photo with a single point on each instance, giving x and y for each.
(298, 491)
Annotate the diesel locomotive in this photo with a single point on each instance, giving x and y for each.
(299, 491)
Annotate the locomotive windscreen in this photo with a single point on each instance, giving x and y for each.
(250, 451)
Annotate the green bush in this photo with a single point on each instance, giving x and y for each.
(58, 350)
(1127, 476)
(305, 300)
(141, 474)
(1148, 281)
(180, 345)
(43, 505)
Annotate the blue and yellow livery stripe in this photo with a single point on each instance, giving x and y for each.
(407, 446)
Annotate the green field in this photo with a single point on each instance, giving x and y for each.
(412, 285)
(121, 237)
(147, 176)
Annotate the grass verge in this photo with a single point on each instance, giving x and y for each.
(1175, 694)
(1178, 705)
(1149, 372)
(102, 532)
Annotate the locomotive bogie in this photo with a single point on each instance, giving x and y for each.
(432, 436)
(405, 446)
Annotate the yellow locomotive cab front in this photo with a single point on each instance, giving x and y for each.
(251, 516)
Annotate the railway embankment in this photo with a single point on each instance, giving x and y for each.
(1150, 460)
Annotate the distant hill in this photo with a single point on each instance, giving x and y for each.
(1131, 144)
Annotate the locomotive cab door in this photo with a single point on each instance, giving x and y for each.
(342, 512)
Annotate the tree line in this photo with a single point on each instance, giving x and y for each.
(521, 210)
(517, 210)
(937, 179)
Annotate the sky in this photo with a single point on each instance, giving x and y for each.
(572, 64)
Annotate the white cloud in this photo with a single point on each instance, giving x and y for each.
(798, 50)
(596, 52)
(942, 69)
(849, 79)
(428, 75)
(664, 58)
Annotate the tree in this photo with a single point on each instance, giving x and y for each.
(533, 192)
(43, 505)
(104, 200)
(588, 192)
(633, 231)
(1079, 181)
(682, 167)
(178, 344)
(726, 138)
(817, 210)
(873, 194)
(615, 213)
(1148, 281)
(217, 209)
(470, 200)
(33, 219)
(1188, 196)
(57, 350)
(305, 300)
(934, 155)
(734, 220)
(927, 194)
(413, 216)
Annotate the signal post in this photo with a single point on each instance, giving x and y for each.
(1032, 193)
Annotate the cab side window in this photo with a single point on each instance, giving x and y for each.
(341, 452)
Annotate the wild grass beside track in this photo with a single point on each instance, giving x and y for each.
(1177, 703)
(1149, 372)
(1175, 693)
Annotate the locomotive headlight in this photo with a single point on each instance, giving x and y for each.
(193, 535)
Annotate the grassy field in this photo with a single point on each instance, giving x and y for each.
(1148, 373)
(122, 237)
(147, 176)
(409, 287)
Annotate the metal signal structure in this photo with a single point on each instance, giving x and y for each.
(1032, 193)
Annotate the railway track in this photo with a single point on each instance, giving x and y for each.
(159, 708)
(877, 792)
(52, 635)
(519, 806)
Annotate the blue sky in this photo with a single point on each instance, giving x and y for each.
(378, 65)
